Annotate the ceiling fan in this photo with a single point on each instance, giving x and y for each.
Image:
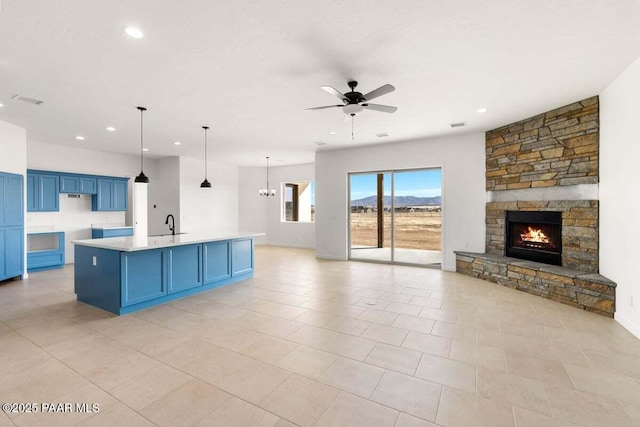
(354, 102)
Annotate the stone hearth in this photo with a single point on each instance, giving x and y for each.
(544, 163)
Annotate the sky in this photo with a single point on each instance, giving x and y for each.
(418, 183)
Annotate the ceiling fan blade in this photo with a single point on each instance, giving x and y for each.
(382, 90)
(322, 108)
(334, 92)
(378, 107)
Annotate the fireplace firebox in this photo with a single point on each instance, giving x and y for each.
(534, 236)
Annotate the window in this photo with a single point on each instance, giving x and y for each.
(298, 201)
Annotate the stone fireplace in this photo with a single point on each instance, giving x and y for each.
(542, 212)
(535, 236)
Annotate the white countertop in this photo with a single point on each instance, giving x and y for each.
(109, 226)
(43, 231)
(141, 243)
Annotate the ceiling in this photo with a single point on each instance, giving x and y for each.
(249, 69)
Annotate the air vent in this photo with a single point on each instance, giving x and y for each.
(27, 99)
(382, 134)
(74, 196)
(458, 125)
(320, 143)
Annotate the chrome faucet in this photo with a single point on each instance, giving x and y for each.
(172, 226)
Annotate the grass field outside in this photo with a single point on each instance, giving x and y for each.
(413, 230)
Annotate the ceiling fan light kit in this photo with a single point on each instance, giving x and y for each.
(354, 102)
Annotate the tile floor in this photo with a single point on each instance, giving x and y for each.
(315, 343)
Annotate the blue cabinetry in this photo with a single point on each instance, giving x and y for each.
(185, 271)
(45, 250)
(44, 188)
(143, 276)
(111, 195)
(217, 265)
(241, 256)
(77, 184)
(100, 233)
(11, 226)
(43, 192)
(125, 281)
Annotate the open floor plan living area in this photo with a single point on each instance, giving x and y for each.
(317, 214)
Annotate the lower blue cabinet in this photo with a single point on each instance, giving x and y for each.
(217, 257)
(185, 270)
(143, 276)
(11, 250)
(241, 256)
(45, 250)
(122, 282)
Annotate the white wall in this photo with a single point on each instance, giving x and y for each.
(213, 209)
(252, 208)
(13, 159)
(259, 213)
(619, 202)
(75, 216)
(165, 198)
(463, 189)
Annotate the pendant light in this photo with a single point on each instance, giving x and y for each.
(142, 178)
(267, 192)
(205, 183)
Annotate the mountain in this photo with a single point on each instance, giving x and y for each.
(399, 201)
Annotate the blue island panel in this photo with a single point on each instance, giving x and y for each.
(97, 277)
(126, 281)
(217, 261)
(241, 256)
(185, 270)
(143, 276)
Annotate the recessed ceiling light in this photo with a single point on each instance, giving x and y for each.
(111, 129)
(177, 143)
(80, 138)
(332, 133)
(134, 32)
(145, 149)
(482, 110)
(1, 105)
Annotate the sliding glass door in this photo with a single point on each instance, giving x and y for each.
(369, 219)
(395, 216)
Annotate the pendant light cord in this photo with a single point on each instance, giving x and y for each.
(205, 151)
(268, 174)
(141, 140)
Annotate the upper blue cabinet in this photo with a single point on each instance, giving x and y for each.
(78, 184)
(111, 195)
(43, 190)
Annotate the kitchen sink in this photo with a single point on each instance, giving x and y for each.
(167, 234)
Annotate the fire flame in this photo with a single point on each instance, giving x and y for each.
(534, 235)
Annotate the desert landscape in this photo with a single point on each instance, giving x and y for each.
(413, 230)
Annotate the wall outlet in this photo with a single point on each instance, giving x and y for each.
(95, 261)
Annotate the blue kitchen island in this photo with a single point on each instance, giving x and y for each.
(126, 274)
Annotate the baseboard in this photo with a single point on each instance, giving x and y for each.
(628, 324)
(331, 257)
(288, 245)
